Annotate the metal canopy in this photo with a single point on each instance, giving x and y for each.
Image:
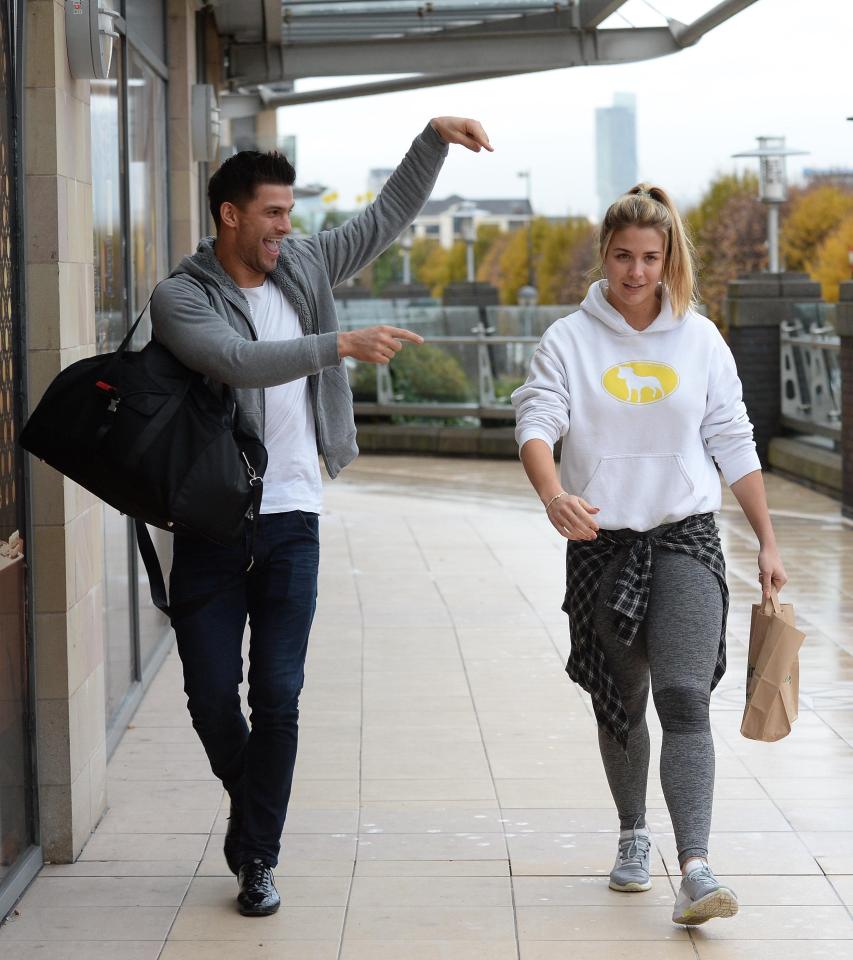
(272, 43)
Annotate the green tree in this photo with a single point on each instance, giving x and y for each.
(426, 373)
(387, 268)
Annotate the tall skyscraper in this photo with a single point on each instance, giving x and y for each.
(616, 149)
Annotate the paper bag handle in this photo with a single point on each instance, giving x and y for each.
(774, 601)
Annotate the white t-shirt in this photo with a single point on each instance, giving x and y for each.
(292, 480)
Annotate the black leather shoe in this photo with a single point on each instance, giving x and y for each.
(231, 847)
(258, 896)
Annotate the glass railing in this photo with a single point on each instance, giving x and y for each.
(472, 360)
(811, 371)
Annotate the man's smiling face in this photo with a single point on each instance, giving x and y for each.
(261, 224)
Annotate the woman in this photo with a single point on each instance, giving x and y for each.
(645, 394)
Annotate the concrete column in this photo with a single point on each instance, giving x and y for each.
(755, 306)
(844, 323)
(67, 554)
(184, 220)
(266, 130)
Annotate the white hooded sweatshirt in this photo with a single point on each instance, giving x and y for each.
(643, 413)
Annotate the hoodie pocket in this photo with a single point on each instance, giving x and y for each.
(657, 477)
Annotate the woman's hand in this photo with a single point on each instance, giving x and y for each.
(770, 569)
(571, 517)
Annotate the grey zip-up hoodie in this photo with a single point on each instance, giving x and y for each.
(201, 315)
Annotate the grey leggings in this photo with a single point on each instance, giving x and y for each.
(677, 645)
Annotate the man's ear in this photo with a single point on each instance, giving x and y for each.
(228, 213)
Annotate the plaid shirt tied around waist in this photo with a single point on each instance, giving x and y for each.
(696, 536)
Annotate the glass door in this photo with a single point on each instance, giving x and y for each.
(18, 855)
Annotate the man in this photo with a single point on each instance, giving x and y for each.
(254, 310)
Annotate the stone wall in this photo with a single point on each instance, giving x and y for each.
(67, 521)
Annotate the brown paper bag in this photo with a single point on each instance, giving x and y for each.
(773, 671)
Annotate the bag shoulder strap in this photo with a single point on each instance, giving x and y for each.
(157, 583)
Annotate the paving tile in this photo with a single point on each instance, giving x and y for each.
(141, 819)
(812, 816)
(290, 923)
(429, 950)
(606, 950)
(535, 891)
(422, 846)
(302, 819)
(275, 950)
(751, 853)
(295, 891)
(843, 886)
(376, 892)
(145, 846)
(430, 818)
(111, 891)
(121, 868)
(432, 868)
(770, 949)
(213, 864)
(783, 923)
(437, 789)
(429, 923)
(598, 923)
(81, 949)
(90, 923)
(580, 854)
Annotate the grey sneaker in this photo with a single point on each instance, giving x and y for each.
(630, 873)
(702, 897)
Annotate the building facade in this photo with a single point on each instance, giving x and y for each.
(615, 149)
(101, 193)
(445, 220)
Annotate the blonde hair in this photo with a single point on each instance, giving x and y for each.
(647, 206)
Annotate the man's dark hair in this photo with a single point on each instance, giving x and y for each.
(239, 177)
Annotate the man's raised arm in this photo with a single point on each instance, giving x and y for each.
(349, 248)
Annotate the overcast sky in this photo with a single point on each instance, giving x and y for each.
(781, 67)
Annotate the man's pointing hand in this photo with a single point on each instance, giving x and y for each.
(374, 344)
(469, 133)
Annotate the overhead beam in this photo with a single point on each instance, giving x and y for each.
(688, 34)
(593, 12)
(245, 105)
(272, 21)
(522, 46)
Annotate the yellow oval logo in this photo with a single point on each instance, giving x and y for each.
(640, 381)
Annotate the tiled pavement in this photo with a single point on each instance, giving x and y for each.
(449, 801)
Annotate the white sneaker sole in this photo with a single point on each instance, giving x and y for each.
(632, 887)
(721, 903)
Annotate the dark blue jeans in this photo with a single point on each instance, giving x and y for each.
(278, 595)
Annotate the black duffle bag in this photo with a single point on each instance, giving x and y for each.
(149, 437)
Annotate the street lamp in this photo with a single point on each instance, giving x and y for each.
(772, 187)
(525, 175)
(469, 235)
(406, 242)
